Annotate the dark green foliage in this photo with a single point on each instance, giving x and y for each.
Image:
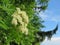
(40, 35)
(36, 22)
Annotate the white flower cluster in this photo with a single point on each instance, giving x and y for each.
(22, 18)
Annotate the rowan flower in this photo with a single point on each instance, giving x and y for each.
(14, 21)
(24, 30)
(22, 18)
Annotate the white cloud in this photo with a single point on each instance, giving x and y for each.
(49, 16)
(43, 15)
(53, 41)
(56, 18)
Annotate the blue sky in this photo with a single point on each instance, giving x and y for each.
(52, 17)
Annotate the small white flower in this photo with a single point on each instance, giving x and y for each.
(18, 10)
(14, 21)
(23, 15)
(24, 30)
(19, 18)
(22, 18)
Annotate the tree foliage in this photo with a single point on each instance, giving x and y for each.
(10, 34)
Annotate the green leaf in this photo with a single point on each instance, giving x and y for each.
(3, 25)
